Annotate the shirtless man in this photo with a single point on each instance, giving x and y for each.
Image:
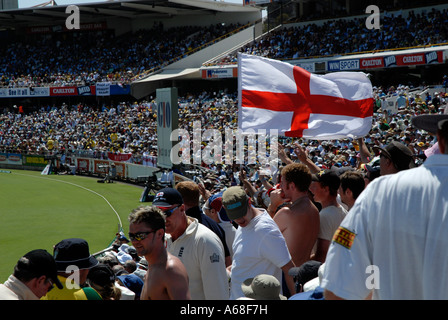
(298, 221)
(166, 278)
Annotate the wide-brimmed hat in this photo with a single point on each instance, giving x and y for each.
(429, 122)
(73, 252)
(263, 287)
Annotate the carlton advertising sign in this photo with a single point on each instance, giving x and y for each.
(63, 91)
(369, 63)
(411, 59)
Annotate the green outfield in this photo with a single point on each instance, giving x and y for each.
(37, 211)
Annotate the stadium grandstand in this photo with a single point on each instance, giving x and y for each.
(77, 101)
(91, 92)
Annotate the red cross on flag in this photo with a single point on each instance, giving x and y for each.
(277, 95)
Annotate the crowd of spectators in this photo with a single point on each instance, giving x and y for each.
(132, 127)
(128, 127)
(84, 58)
(337, 37)
(337, 173)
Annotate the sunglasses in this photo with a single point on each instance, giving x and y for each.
(169, 212)
(139, 236)
(51, 285)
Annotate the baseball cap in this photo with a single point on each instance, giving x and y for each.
(235, 201)
(133, 283)
(215, 202)
(328, 178)
(399, 154)
(40, 263)
(75, 252)
(167, 197)
(306, 272)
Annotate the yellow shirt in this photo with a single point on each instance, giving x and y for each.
(65, 293)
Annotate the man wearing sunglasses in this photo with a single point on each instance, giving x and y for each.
(166, 278)
(199, 248)
(34, 275)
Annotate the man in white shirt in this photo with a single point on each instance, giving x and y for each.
(259, 246)
(325, 187)
(34, 275)
(393, 240)
(199, 248)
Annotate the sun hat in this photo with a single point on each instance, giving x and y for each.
(75, 252)
(263, 287)
(429, 122)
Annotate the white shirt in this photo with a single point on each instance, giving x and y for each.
(230, 231)
(14, 289)
(330, 218)
(126, 294)
(258, 248)
(202, 253)
(399, 225)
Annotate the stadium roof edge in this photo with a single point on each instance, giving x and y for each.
(141, 88)
(217, 5)
(128, 9)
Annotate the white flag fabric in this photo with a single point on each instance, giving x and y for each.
(277, 95)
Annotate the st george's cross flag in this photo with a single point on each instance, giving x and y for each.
(276, 95)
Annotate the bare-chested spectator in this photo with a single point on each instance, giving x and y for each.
(167, 278)
(299, 220)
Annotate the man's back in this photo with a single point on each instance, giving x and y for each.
(71, 291)
(397, 230)
(299, 225)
